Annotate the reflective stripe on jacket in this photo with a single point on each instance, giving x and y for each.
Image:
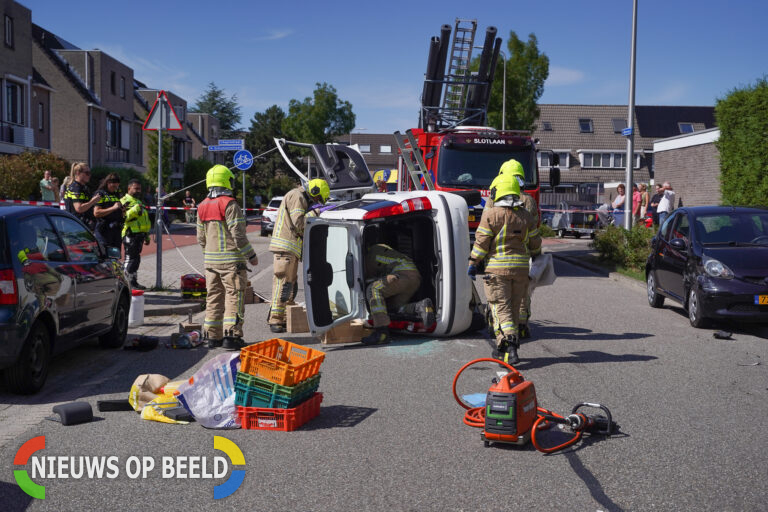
(221, 232)
(507, 236)
(528, 201)
(381, 260)
(289, 226)
(136, 216)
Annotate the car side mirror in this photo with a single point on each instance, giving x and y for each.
(113, 252)
(679, 244)
(554, 176)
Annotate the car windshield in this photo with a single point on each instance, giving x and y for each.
(733, 228)
(463, 168)
(275, 203)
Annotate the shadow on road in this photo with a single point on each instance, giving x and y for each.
(13, 498)
(544, 330)
(750, 329)
(339, 416)
(586, 356)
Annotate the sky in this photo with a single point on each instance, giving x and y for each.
(375, 53)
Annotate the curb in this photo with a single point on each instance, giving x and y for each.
(599, 270)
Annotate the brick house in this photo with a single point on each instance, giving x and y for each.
(143, 100)
(592, 149)
(204, 130)
(25, 112)
(691, 164)
(379, 149)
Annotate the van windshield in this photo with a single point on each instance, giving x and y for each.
(475, 169)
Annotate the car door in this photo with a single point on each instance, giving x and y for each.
(333, 273)
(47, 279)
(672, 260)
(95, 279)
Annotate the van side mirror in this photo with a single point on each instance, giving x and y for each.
(554, 176)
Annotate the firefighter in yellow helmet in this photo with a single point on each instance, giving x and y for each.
(513, 169)
(221, 233)
(286, 245)
(507, 236)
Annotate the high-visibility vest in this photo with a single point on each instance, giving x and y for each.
(136, 217)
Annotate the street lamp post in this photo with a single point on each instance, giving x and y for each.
(631, 123)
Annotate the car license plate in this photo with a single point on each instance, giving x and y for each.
(761, 300)
(471, 218)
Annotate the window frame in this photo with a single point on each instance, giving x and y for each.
(18, 102)
(612, 160)
(8, 32)
(387, 151)
(90, 238)
(681, 124)
(582, 121)
(40, 116)
(113, 82)
(546, 126)
(122, 87)
(113, 136)
(20, 223)
(365, 148)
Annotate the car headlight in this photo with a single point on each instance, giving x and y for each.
(715, 268)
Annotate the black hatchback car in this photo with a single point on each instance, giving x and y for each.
(58, 286)
(714, 261)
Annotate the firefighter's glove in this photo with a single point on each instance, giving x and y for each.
(472, 271)
(254, 261)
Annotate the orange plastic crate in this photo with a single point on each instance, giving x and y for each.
(280, 361)
(285, 420)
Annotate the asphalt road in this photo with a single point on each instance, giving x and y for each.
(390, 435)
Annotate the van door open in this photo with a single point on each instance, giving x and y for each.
(332, 273)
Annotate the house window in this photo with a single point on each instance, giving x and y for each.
(385, 149)
(113, 131)
(618, 125)
(40, 117)
(585, 125)
(547, 126)
(14, 103)
(564, 159)
(8, 31)
(180, 112)
(685, 127)
(546, 161)
(365, 148)
(122, 87)
(608, 160)
(112, 82)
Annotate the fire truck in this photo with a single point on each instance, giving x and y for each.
(453, 149)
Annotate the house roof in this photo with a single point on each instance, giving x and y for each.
(662, 122)
(50, 43)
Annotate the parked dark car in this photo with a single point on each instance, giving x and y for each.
(58, 286)
(714, 261)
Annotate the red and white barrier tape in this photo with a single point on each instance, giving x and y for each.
(569, 211)
(53, 203)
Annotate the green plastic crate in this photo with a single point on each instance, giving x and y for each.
(253, 391)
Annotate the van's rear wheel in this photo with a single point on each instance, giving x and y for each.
(28, 375)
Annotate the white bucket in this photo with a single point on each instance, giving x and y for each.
(136, 313)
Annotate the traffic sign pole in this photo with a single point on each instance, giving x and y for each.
(159, 211)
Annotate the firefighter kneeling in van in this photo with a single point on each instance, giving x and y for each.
(396, 280)
(507, 236)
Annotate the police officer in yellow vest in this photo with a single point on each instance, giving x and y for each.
(221, 233)
(135, 231)
(507, 236)
(513, 168)
(395, 280)
(286, 245)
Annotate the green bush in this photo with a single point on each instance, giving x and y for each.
(629, 249)
(547, 232)
(126, 174)
(20, 175)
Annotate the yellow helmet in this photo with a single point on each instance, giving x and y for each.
(318, 190)
(219, 176)
(512, 168)
(504, 186)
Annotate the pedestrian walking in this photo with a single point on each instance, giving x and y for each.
(109, 212)
(508, 237)
(221, 234)
(77, 198)
(286, 246)
(135, 231)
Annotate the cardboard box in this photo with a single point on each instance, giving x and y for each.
(351, 332)
(189, 327)
(296, 319)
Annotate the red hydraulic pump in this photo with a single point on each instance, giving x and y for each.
(511, 414)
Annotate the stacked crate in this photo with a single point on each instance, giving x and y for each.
(276, 387)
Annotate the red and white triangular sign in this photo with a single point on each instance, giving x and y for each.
(162, 116)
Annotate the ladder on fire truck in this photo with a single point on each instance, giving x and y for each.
(413, 160)
(458, 68)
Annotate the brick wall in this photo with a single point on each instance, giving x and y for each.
(693, 172)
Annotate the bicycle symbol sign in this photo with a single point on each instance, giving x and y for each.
(243, 159)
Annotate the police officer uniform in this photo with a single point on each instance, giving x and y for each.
(286, 246)
(221, 233)
(109, 229)
(79, 193)
(507, 236)
(134, 232)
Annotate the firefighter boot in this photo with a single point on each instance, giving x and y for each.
(512, 345)
(380, 336)
(213, 343)
(500, 352)
(523, 331)
(426, 310)
(232, 342)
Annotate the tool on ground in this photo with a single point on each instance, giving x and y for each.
(193, 286)
(511, 414)
(142, 343)
(72, 413)
(113, 405)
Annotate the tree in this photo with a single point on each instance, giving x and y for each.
(213, 101)
(265, 126)
(742, 117)
(152, 159)
(527, 70)
(320, 118)
(194, 171)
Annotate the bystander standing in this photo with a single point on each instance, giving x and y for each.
(654, 203)
(47, 188)
(667, 202)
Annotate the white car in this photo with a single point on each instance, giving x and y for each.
(429, 227)
(269, 216)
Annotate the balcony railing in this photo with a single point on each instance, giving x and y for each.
(117, 154)
(16, 134)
